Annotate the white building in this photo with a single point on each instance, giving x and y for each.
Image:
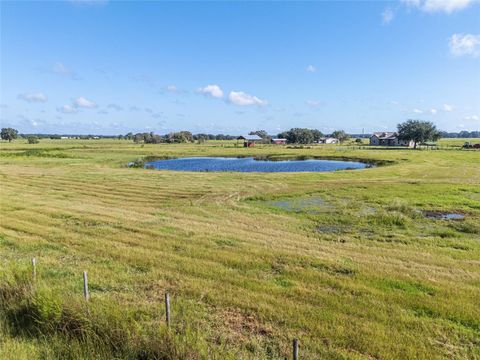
(328, 140)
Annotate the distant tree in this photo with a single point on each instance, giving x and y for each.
(151, 138)
(358, 140)
(201, 138)
(9, 134)
(340, 135)
(32, 139)
(417, 130)
(137, 138)
(262, 133)
(300, 136)
(183, 136)
(317, 135)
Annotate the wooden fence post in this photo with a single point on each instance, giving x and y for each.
(34, 269)
(295, 349)
(85, 286)
(167, 309)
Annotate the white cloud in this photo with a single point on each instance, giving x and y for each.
(417, 111)
(311, 69)
(60, 69)
(174, 89)
(313, 103)
(394, 102)
(433, 111)
(67, 109)
(81, 102)
(244, 99)
(472, 117)
(30, 122)
(447, 108)
(446, 6)
(387, 15)
(464, 44)
(211, 90)
(33, 97)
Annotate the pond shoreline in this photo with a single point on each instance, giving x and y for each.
(143, 161)
(253, 164)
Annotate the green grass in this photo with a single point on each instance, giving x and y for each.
(360, 274)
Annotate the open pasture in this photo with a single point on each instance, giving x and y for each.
(357, 273)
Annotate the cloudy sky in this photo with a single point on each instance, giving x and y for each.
(109, 67)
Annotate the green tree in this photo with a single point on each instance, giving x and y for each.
(340, 135)
(32, 139)
(9, 134)
(317, 135)
(262, 133)
(418, 130)
(301, 136)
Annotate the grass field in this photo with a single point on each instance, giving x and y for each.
(360, 274)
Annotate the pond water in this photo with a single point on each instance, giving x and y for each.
(443, 215)
(250, 164)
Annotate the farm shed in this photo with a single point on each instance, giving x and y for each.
(249, 140)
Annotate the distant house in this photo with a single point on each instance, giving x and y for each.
(388, 139)
(279, 141)
(328, 140)
(249, 140)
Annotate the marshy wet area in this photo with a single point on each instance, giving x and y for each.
(310, 205)
(442, 215)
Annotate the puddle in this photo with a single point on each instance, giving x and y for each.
(442, 215)
(331, 229)
(310, 205)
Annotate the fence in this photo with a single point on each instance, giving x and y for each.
(86, 295)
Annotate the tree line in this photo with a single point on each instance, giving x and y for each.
(417, 130)
(173, 137)
(301, 135)
(461, 134)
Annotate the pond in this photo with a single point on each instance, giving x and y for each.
(250, 164)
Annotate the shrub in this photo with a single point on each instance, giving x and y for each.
(32, 140)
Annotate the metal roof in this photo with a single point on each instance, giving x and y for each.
(385, 135)
(249, 137)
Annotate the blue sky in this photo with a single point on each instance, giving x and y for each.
(109, 67)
